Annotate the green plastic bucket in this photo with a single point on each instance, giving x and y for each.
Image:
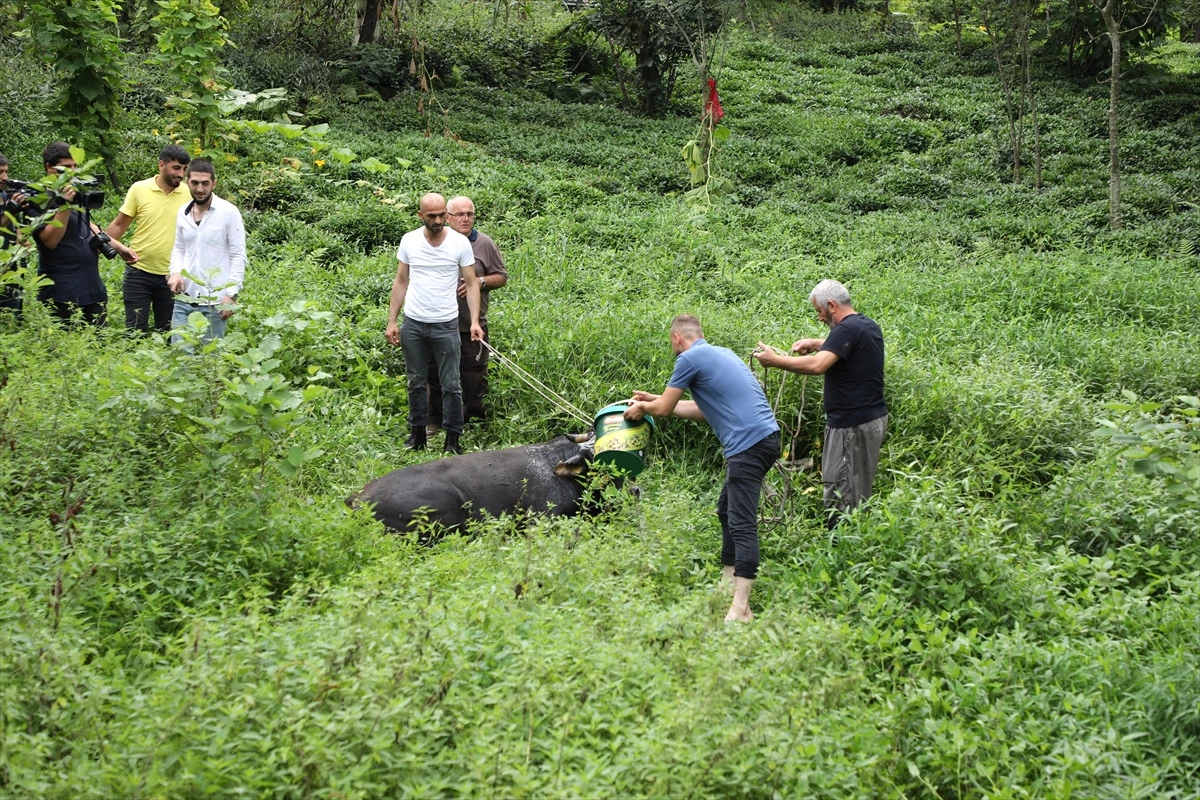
(622, 442)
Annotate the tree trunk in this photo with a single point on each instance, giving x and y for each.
(1011, 110)
(1108, 12)
(1031, 104)
(957, 31)
(368, 20)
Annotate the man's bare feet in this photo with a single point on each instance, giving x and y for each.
(727, 580)
(739, 615)
(740, 610)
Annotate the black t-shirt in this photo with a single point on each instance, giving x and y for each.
(73, 266)
(854, 385)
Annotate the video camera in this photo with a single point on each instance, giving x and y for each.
(87, 196)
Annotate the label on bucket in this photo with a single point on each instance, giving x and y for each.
(617, 437)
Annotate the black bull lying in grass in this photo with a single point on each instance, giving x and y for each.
(537, 478)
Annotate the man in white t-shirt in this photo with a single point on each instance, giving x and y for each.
(431, 260)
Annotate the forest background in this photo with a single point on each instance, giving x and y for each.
(188, 609)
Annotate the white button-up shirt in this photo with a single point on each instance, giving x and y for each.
(211, 255)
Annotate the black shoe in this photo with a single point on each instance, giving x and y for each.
(416, 439)
(452, 445)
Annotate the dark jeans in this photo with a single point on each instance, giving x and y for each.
(420, 342)
(738, 505)
(144, 292)
(93, 313)
(472, 368)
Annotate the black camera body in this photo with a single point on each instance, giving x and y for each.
(14, 187)
(86, 197)
(102, 243)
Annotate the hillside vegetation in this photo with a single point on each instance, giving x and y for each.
(188, 608)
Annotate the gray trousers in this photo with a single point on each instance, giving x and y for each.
(848, 465)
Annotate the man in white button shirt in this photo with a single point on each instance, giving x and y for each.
(208, 262)
(430, 262)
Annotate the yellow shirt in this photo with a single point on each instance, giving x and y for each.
(154, 214)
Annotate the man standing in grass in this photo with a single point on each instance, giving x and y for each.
(489, 266)
(154, 205)
(851, 359)
(210, 246)
(430, 261)
(726, 394)
(65, 252)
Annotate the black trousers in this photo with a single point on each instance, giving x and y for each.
(473, 376)
(145, 292)
(93, 313)
(738, 505)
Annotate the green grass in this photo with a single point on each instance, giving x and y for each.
(1014, 614)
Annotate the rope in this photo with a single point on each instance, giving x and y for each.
(537, 386)
(751, 361)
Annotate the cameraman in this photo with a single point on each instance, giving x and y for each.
(11, 203)
(66, 252)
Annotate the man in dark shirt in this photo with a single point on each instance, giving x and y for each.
(851, 359)
(65, 255)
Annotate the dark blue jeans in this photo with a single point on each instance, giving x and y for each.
(144, 292)
(738, 505)
(421, 341)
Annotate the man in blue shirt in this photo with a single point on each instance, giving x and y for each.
(851, 359)
(727, 395)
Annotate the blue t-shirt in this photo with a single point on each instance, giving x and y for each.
(854, 385)
(727, 392)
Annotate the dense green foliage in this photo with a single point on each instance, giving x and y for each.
(188, 608)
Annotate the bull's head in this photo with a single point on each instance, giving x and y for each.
(577, 464)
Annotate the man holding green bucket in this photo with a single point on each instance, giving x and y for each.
(727, 395)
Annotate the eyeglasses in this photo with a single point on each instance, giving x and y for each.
(464, 215)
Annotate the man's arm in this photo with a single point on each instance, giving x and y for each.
(235, 240)
(399, 292)
(52, 232)
(471, 281)
(816, 364)
(663, 405)
(178, 260)
(119, 226)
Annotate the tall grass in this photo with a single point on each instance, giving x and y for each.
(1013, 614)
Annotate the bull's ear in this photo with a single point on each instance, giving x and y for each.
(573, 467)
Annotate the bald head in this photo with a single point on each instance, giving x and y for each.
(433, 214)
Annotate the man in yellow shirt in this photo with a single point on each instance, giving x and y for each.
(154, 204)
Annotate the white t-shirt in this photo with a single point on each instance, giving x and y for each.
(433, 274)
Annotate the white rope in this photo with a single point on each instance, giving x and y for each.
(538, 386)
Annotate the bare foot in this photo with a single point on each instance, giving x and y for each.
(727, 582)
(739, 611)
(739, 615)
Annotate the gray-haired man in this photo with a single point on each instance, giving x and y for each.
(851, 359)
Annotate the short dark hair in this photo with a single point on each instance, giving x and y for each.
(56, 152)
(202, 165)
(3, 160)
(174, 152)
(687, 326)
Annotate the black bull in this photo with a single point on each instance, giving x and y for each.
(537, 478)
